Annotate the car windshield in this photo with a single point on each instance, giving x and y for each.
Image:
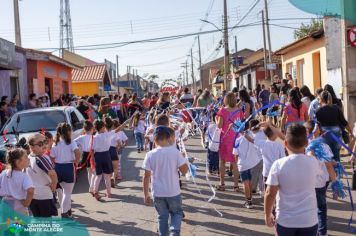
(35, 121)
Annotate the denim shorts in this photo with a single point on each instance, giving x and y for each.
(245, 175)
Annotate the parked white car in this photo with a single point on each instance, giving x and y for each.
(28, 122)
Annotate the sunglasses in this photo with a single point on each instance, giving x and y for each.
(41, 143)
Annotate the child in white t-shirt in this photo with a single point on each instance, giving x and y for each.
(293, 178)
(16, 188)
(213, 156)
(272, 150)
(165, 188)
(138, 124)
(327, 173)
(247, 157)
(120, 147)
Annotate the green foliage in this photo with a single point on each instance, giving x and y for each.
(306, 29)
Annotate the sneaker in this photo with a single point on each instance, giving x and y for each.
(138, 151)
(248, 205)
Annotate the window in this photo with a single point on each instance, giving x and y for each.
(35, 121)
(300, 72)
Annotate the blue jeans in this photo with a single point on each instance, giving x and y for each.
(139, 140)
(283, 231)
(213, 161)
(334, 146)
(165, 207)
(322, 210)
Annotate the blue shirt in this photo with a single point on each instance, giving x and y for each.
(314, 105)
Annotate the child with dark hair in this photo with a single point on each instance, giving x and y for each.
(16, 187)
(294, 179)
(102, 158)
(121, 144)
(84, 143)
(66, 154)
(164, 181)
(213, 155)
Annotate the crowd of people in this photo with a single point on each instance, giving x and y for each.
(265, 138)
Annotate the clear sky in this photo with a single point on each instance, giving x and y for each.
(111, 21)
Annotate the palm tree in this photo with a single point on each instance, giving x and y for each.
(153, 77)
(307, 29)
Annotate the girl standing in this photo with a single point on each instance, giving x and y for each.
(138, 124)
(65, 153)
(84, 143)
(16, 186)
(102, 158)
(122, 144)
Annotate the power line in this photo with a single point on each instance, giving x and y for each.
(151, 40)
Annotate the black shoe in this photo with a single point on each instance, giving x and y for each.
(229, 173)
(66, 215)
(138, 151)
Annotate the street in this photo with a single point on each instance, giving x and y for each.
(125, 213)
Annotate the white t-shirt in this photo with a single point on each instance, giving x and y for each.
(150, 130)
(15, 184)
(247, 154)
(84, 142)
(164, 162)
(296, 177)
(306, 101)
(271, 151)
(64, 153)
(117, 138)
(210, 132)
(40, 180)
(102, 141)
(259, 140)
(140, 128)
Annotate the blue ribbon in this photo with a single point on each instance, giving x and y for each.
(341, 171)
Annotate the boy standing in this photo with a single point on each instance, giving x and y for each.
(161, 166)
(293, 178)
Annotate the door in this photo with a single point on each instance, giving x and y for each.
(14, 86)
(249, 81)
(316, 70)
(65, 87)
(49, 88)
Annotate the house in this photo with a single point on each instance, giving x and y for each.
(211, 71)
(48, 74)
(13, 71)
(130, 84)
(90, 80)
(253, 71)
(305, 60)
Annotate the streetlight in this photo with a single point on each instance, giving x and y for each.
(211, 23)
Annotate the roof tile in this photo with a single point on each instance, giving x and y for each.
(93, 73)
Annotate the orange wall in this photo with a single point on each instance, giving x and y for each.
(56, 73)
(85, 88)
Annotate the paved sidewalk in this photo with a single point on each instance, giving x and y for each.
(126, 214)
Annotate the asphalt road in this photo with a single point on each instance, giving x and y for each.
(125, 213)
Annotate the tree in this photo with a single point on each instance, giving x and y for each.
(306, 29)
(153, 77)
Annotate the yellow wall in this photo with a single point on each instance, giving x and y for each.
(305, 52)
(85, 88)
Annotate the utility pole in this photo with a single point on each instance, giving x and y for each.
(226, 46)
(200, 71)
(117, 74)
(192, 65)
(17, 23)
(264, 43)
(236, 45)
(269, 39)
(137, 83)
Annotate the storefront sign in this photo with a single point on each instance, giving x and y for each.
(352, 36)
(7, 55)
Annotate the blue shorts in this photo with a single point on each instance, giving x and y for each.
(113, 154)
(103, 163)
(65, 172)
(245, 175)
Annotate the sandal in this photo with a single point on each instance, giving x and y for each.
(220, 187)
(97, 196)
(236, 188)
